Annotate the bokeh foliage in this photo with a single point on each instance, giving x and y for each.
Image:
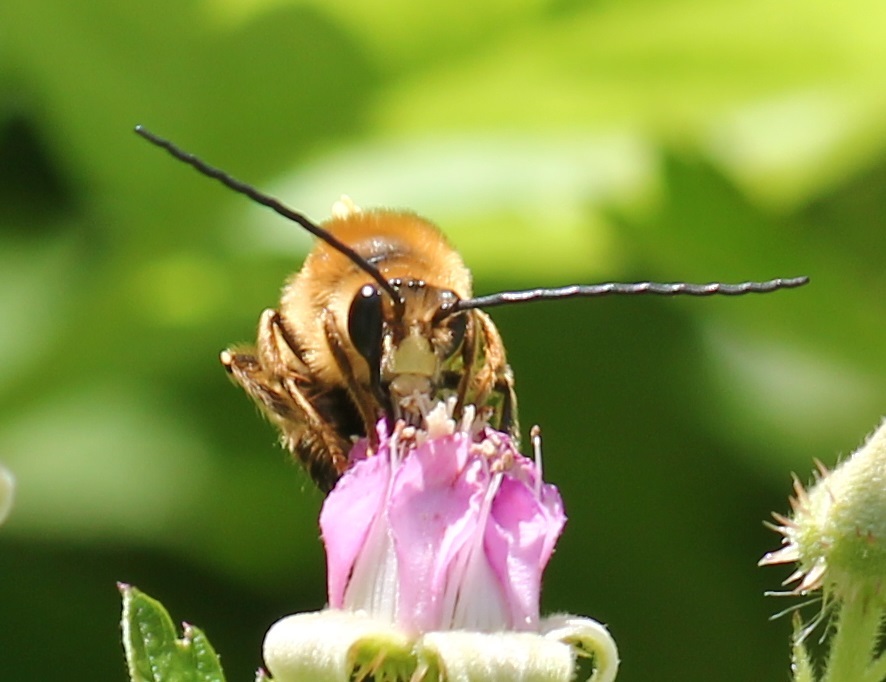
(554, 141)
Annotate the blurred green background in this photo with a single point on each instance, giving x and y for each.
(554, 141)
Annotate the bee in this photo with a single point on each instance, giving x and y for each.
(341, 349)
(381, 322)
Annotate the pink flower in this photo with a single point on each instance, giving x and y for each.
(436, 545)
(450, 532)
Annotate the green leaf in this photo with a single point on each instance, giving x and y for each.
(153, 651)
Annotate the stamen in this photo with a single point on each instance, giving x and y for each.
(535, 437)
(467, 417)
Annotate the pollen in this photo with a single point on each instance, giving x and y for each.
(344, 208)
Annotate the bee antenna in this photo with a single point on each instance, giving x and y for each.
(274, 205)
(628, 289)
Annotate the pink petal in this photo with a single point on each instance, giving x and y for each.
(519, 540)
(348, 514)
(455, 535)
(433, 513)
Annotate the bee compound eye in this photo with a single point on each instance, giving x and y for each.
(365, 324)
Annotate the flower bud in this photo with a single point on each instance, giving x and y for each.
(837, 533)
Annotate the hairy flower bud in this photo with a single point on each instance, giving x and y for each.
(837, 532)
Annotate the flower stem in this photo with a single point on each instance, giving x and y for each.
(855, 639)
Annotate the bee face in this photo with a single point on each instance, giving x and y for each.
(339, 353)
(407, 343)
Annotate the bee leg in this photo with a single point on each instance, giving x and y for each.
(319, 447)
(363, 399)
(494, 381)
(508, 422)
(274, 376)
(278, 350)
(245, 368)
(469, 360)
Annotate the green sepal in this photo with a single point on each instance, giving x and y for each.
(802, 669)
(154, 652)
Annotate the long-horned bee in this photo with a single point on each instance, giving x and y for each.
(381, 321)
(340, 350)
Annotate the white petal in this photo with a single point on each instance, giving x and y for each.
(501, 657)
(585, 636)
(786, 555)
(325, 646)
